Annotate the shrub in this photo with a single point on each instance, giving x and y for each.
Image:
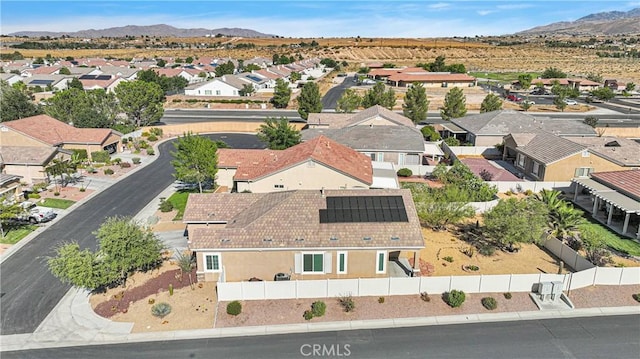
(508, 295)
(308, 315)
(234, 308)
(473, 268)
(145, 134)
(108, 171)
(448, 259)
(161, 310)
(636, 297)
(81, 153)
(150, 151)
(455, 298)
(405, 172)
(125, 165)
(381, 300)
(347, 303)
(124, 141)
(151, 301)
(135, 160)
(489, 303)
(143, 144)
(176, 100)
(487, 250)
(34, 196)
(156, 131)
(486, 175)
(318, 308)
(100, 156)
(166, 206)
(528, 192)
(425, 296)
(56, 193)
(152, 138)
(82, 189)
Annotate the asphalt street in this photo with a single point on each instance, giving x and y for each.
(330, 99)
(205, 115)
(588, 337)
(28, 291)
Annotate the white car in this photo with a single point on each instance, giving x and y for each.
(35, 214)
(570, 102)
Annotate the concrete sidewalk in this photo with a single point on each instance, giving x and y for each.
(74, 323)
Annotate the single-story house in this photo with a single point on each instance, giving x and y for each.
(10, 186)
(46, 131)
(377, 132)
(28, 162)
(57, 82)
(216, 87)
(305, 234)
(547, 157)
(582, 85)
(489, 128)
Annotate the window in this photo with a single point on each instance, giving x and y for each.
(341, 266)
(583, 171)
(585, 153)
(313, 263)
(207, 92)
(380, 157)
(536, 169)
(212, 262)
(381, 262)
(278, 186)
(373, 156)
(401, 158)
(217, 92)
(520, 160)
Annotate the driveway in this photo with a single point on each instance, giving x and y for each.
(330, 99)
(29, 291)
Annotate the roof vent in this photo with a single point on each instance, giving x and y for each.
(366, 238)
(395, 238)
(612, 144)
(267, 240)
(333, 238)
(224, 240)
(299, 239)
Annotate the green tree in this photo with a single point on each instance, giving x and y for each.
(553, 73)
(563, 218)
(438, 65)
(80, 268)
(295, 76)
(309, 100)
(378, 96)
(93, 109)
(251, 67)
(558, 101)
(75, 84)
(161, 63)
(603, 93)
(525, 105)
(9, 210)
(195, 159)
(247, 90)
(225, 69)
(64, 71)
(595, 77)
(278, 134)
(457, 68)
(452, 141)
(281, 94)
(525, 81)
(348, 102)
(430, 133)
(127, 247)
(514, 221)
(630, 87)
(188, 60)
(15, 104)
(438, 207)
(141, 101)
(491, 102)
(186, 262)
(591, 121)
(594, 246)
(454, 104)
(416, 104)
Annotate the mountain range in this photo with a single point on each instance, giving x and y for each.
(603, 23)
(160, 30)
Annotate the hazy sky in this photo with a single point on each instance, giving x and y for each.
(305, 18)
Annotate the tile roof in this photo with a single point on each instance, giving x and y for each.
(26, 155)
(268, 74)
(375, 138)
(503, 122)
(53, 132)
(43, 70)
(341, 120)
(255, 164)
(625, 181)
(431, 77)
(291, 219)
(547, 148)
(622, 151)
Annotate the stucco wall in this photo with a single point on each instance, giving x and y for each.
(30, 174)
(565, 170)
(307, 175)
(13, 138)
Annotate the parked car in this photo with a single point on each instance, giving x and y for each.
(514, 98)
(529, 102)
(35, 214)
(570, 102)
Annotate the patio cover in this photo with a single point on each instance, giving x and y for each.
(621, 201)
(592, 185)
(453, 128)
(433, 149)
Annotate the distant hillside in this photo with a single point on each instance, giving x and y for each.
(161, 30)
(604, 23)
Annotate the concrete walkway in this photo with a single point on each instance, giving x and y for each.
(74, 323)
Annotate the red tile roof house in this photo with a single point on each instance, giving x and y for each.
(303, 235)
(46, 131)
(315, 164)
(616, 195)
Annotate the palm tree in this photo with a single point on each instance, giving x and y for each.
(185, 261)
(564, 219)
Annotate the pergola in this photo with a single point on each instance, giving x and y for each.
(612, 198)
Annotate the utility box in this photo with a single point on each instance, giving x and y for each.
(556, 292)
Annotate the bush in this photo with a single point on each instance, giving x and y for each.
(125, 165)
(82, 154)
(487, 250)
(100, 156)
(528, 192)
(234, 308)
(405, 172)
(318, 308)
(508, 295)
(161, 310)
(347, 303)
(176, 100)
(636, 297)
(448, 259)
(166, 206)
(156, 131)
(455, 298)
(143, 144)
(489, 303)
(117, 160)
(150, 151)
(381, 300)
(152, 138)
(56, 193)
(308, 315)
(425, 296)
(34, 196)
(136, 160)
(108, 171)
(124, 141)
(145, 134)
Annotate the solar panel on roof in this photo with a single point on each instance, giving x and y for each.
(358, 209)
(87, 77)
(41, 82)
(253, 78)
(103, 77)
